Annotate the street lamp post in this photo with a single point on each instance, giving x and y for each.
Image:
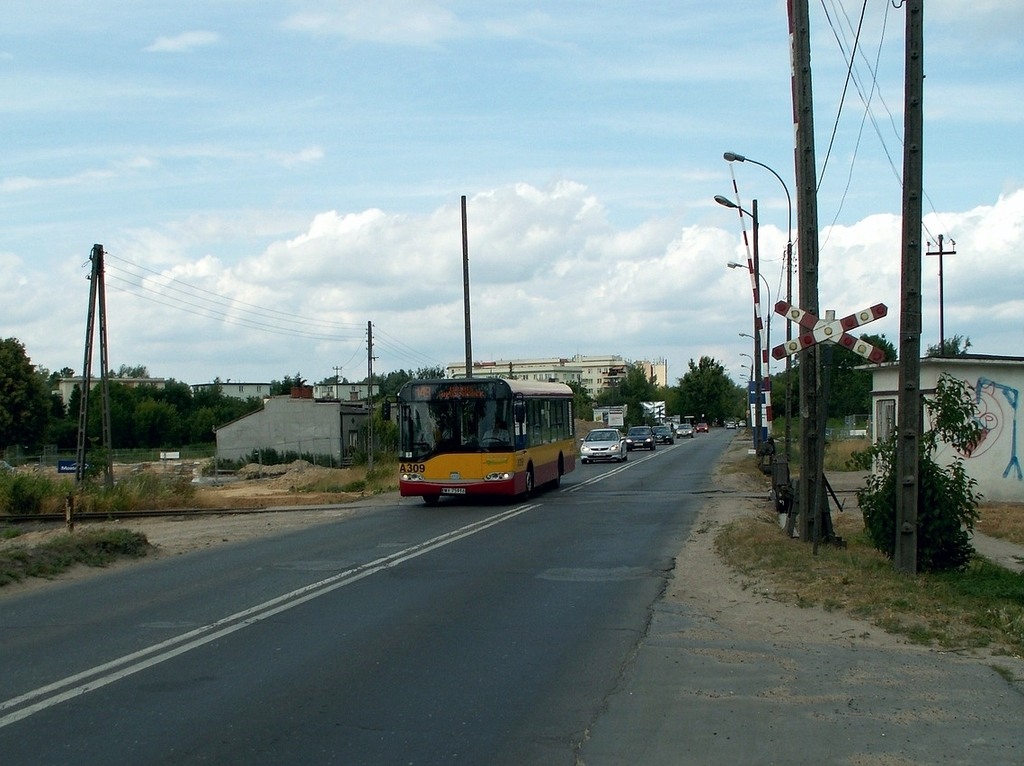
(767, 319)
(748, 356)
(755, 272)
(734, 157)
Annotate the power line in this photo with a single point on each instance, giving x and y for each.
(133, 279)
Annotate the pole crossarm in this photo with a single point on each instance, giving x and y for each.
(815, 330)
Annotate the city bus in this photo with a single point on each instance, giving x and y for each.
(483, 436)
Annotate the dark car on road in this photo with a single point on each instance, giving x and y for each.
(664, 435)
(640, 437)
(702, 428)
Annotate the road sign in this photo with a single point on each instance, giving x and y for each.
(815, 330)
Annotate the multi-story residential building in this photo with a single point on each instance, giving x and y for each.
(594, 373)
(65, 386)
(341, 392)
(236, 390)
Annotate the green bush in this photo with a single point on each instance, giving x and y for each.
(26, 494)
(947, 504)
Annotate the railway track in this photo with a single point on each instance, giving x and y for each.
(60, 518)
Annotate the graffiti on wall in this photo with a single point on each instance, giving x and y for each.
(997, 408)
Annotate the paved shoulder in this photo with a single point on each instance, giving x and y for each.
(726, 675)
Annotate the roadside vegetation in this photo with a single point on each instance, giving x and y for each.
(91, 547)
(978, 608)
(28, 494)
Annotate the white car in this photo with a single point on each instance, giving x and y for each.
(684, 431)
(603, 444)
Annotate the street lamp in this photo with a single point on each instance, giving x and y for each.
(734, 157)
(767, 319)
(748, 356)
(755, 272)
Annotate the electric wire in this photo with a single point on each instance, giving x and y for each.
(130, 278)
(875, 94)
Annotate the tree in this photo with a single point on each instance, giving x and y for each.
(955, 346)
(633, 389)
(157, 424)
(24, 397)
(947, 506)
(849, 389)
(389, 384)
(132, 371)
(582, 401)
(279, 387)
(706, 391)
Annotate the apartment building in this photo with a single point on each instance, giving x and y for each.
(594, 373)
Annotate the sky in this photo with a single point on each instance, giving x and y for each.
(268, 178)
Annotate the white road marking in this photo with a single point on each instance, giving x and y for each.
(76, 685)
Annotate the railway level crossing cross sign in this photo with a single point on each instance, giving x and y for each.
(829, 330)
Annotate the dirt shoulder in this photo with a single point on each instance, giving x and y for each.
(744, 603)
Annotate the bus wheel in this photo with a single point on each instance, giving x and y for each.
(529, 482)
(431, 499)
(557, 481)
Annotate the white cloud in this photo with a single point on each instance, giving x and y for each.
(549, 276)
(390, 22)
(183, 43)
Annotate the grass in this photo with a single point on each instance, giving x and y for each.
(48, 559)
(1002, 520)
(980, 608)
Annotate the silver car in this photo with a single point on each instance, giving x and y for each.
(603, 444)
(684, 431)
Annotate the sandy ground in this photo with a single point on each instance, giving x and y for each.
(745, 604)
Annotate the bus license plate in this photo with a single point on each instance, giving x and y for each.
(453, 490)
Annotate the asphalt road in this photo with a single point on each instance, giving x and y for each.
(477, 634)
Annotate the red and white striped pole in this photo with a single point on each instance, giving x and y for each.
(762, 404)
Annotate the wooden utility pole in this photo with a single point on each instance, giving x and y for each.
(942, 300)
(810, 489)
(97, 302)
(909, 398)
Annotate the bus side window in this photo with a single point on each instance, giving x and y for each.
(534, 422)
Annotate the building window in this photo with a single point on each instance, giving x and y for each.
(885, 419)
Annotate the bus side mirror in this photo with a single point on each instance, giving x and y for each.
(520, 412)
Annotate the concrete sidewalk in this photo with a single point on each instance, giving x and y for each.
(1001, 552)
(728, 675)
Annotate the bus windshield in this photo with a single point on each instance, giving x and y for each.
(455, 425)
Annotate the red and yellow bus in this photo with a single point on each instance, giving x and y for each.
(483, 436)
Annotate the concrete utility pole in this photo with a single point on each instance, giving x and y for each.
(909, 400)
(97, 300)
(369, 396)
(465, 290)
(810, 489)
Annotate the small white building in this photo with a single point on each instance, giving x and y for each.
(294, 424)
(996, 383)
